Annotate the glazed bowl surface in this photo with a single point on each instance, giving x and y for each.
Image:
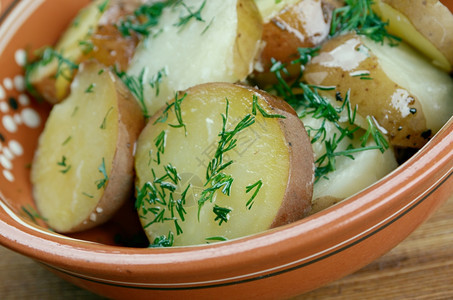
(278, 263)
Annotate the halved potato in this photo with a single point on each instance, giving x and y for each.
(182, 52)
(83, 167)
(92, 34)
(183, 156)
(407, 95)
(426, 25)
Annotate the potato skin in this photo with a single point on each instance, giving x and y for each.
(299, 191)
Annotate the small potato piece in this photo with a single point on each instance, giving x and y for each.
(91, 35)
(302, 24)
(352, 173)
(272, 158)
(83, 168)
(219, 47)
(407, 95)
(426, 25)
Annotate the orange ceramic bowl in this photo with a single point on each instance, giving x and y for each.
(279, 263)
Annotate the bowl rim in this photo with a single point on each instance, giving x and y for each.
(431, 167)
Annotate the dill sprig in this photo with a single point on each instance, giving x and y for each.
(144, 18)
(216, 179)
(100, 183)
(63, 163)
(135, 86)
(158, 198)
(257, 186)
(222, 214)
(183, 20)
(163, 241)
(358, 16)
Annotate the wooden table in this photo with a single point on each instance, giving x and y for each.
(421, 267)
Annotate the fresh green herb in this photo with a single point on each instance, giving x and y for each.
(157, 80)
(222, 214)
(32, 214)
(100, 183)
(216, 179)
(208, 26)
(376, 134)
(87, 195)
(103, 6)
(135, 85)
(90, 88)
(163, 241)
(257, 186)
(183, 20)
(63, 164)
(176, 107)
(160, 142)
(307, 100)
(101, 71)
(358, 16)
(158, 198)
(104, 122)
(144, 18)
(66, 140)
(256, 106)
(216, 239)
(87, 46)
(65, 68)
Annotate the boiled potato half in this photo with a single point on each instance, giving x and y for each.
(426, 25)
(220, 162)
(183, 51)
(92, 34)
(83, 167)
(409, 97)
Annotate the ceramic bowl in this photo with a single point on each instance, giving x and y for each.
(279, 263)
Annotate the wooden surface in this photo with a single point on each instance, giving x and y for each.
(421, 267)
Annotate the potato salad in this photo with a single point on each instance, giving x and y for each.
(223, 119)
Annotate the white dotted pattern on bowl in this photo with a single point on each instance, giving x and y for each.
(11, 119)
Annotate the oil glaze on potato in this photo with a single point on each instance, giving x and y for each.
(83, 168)
(408, 96)
(174, 159)
(426, 25)
(219, 47)
(91, 35)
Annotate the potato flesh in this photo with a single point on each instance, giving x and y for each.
(83, 129)
(254, 160)
(198, 52)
